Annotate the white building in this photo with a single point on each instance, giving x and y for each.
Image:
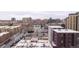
(37, 29)
(50, 31)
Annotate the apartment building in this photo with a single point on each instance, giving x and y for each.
(65, 38)
(11, 29)
(77, 21)
(50, 31)
(72, 21)
(4, 37)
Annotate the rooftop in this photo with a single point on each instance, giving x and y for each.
(65, 31)
(1, 34)
(55, 26)
(9, 27)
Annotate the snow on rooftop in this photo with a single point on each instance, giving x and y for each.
(55, 26)
(65, 31)
(35, 38)
(9, 27)
(1, 34)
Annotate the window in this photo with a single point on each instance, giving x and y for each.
(72, 39)
(64, 37)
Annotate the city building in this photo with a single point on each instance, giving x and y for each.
(77, 21)
(12, 29)
(28, 24)
(50, 31)
(37, 26)
(27, 19)
(4, 37)
(65, 38)
(72, 21)
(54, 22)
(65, 22)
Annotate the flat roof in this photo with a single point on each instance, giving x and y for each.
(65, 31)
(55, 26)
(35, 38)
(2, 33)
(9, 27)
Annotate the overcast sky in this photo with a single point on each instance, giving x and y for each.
(34, 14)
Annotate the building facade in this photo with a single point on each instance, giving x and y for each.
(50, 31)
(77, 21)
(72, 21)
(65, 38)
(4, 36)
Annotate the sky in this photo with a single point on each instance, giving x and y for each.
(6, 15)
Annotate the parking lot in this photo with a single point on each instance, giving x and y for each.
(32, 43)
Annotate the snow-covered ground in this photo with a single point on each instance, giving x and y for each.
(32, 43)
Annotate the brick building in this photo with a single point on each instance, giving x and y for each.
(65, 38)
(4, 37)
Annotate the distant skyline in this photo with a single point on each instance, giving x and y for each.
(34, 14)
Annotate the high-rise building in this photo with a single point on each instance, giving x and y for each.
(72, 22)
(28, 27)
(77, 21)
(65, 38)
(50, 31)
(27, 19)
(66, 23)
(13, 19)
